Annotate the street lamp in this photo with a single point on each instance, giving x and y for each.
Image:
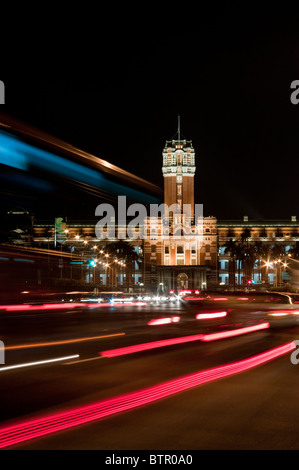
(277, 266)
(268, 265)
(106, 273)
(93, 263)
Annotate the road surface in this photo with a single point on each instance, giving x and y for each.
(158, 396)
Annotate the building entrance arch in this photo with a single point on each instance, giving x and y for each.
(182, 281)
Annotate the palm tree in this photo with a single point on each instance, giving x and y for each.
(294, 252)
(248, 254)
(250, 260)
(122, 250)
(240, 257)
(262, 253)
(245, 235)
(278, 250)
(231, 250)
(265, 256)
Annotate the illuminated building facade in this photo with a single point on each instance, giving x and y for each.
(183, 249)
(258, 252)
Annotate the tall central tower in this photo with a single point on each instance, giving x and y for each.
(178, 171)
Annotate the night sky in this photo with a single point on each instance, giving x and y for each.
(115, 90)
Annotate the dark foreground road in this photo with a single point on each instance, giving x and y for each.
(253, 409)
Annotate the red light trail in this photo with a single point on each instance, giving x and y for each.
(236, 332)
(206, 316)
(164, 321)
(182, 339)
(38, 427)
(151, 345)
(66, 305)
(26, 307)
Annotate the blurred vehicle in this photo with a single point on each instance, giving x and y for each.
(158, 299)
(256, 299)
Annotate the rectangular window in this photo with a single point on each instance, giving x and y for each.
(167, 250)
(180, 249)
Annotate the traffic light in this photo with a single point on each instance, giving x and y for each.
(60, 225)
(92, 262)
(249, 282)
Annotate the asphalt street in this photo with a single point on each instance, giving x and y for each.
(252, 409)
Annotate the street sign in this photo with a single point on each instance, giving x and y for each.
(285, 276)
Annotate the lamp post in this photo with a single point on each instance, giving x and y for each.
(106, 273)
(277, 266)
(276, 271)
(268, 265)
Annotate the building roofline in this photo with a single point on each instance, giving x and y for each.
(256, 223)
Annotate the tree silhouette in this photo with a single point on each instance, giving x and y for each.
(123, 251)
(231, 250)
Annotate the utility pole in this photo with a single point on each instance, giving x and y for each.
(55, 234)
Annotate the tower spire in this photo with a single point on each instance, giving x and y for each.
(179, 128)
